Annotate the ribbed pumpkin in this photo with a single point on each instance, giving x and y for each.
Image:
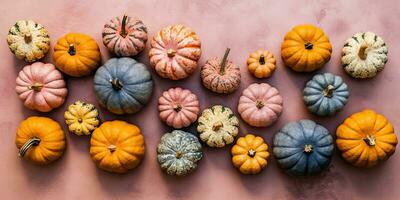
(123, 85)
(82, 118)
(28, 40)
(325, 94)
(366, 138)
(218, 126)
(125, 36)
(306, 48)
(117, 146)
(260, 105)
(364, 55)
(221, 75)
(175, 51)
(178, 107)
(40, 140)
(250, 154)
(76, 54)
(303, 148)
(261, 63)
(179, 152)
(41, 87)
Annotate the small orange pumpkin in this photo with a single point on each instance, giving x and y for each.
(261, 64)
(76, 54)
(40, 140)
(306, 48)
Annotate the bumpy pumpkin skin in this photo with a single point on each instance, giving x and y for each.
(123, 85)
(125, 36)
(261, 63)
(220, 75)
(76, 54)
(175, 51)
(364, 55)
(81, 118)
(260, 105)
(117, 146)
(250, 154)
(47, 137)
(178, 107)
(303, 148)
(41, 87)
(179, 152)
(325, 94)
(28, 40)
(218, 126)
(366, 139)
(306, 48)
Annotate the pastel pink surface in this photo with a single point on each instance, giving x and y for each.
(244, 26)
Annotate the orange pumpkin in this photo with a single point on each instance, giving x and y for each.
(175, 51)
(366, 138)
(76, 54)
(306, 48)
(261, 64)
(40, 140)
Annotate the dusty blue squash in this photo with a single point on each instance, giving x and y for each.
(303, 147)
(179, 152)
(123, 85)
(325, 94)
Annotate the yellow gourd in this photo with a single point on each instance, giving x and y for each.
(82, 118)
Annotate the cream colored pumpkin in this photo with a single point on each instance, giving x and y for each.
(364, 55)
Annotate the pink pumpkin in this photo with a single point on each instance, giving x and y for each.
(125, 36)
(41, 87)
(260, 105)
(178, 107)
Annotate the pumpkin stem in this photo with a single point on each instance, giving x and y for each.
(251, 153)
(308, 148)
(28, 37)
(361, 53)
(308, 45)
(116, 84)
(259, 104)
(80, 120)
(36, 87)
(178, 154)
(262, 59)
(328, 91)
(34, 141)
(177, 107)
(171, 53)
(71, 49)
(370, 140)
(217, 125)
(123, 24)
(112, 148)
(223, 62)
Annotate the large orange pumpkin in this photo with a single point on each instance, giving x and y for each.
(306, 48)
(76, 54)
(366, 138)
(175, 51)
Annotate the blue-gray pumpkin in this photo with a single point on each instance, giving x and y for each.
(303, 147)
(123, 85)
(325, 94)
(179, 152)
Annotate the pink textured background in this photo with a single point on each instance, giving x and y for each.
(244, 26)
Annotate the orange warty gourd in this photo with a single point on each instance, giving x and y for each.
(250, 154)
(117, 146)
(306, 48)
(261, 63)
(76, 54)
(366, 138)
(40, 140)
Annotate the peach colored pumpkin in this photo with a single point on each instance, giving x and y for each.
(260, 105)
(41, 87)
(178, 107)
(174, 52)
